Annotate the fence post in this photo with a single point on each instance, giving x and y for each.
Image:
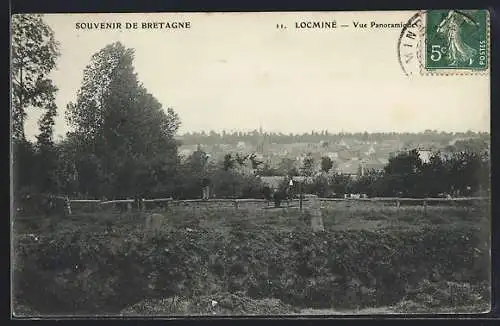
(316, 216)
(235, 202)
(397, 206)
(425, 208)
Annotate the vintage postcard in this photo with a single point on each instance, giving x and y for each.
(211, 164)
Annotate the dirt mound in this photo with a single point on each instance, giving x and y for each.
(215, 304)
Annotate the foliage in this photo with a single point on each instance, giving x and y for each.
(255, 162)
(225, 180)
(326, 164)
(287, 167)
(403, 171)
(78, 268)
(308, 166)
(320, 186)
(457, 173)
(34, 54)
(445, 296)
(124, 140)
(267, 170)
(228, 162)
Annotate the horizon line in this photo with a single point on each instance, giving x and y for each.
(335, 133)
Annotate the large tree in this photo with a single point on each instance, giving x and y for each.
(122, 129)
(402, 174)
(34, 53)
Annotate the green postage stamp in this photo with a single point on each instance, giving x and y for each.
(457, 39)
(445, 42)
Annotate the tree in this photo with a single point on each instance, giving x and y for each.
(402, 174)
(326, 164)
(434, 175)
(369, 183)
(122, 129)
(34, 54)
(268, 170)
(228, 163)
(47, 154)
(255, 162)
(341, 184)
(307, 168)
(467, 171)
(287, 167)
(319, 186)
(241, 159)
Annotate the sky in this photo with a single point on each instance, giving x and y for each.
(239, 72)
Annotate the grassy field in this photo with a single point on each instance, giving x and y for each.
(254, 260)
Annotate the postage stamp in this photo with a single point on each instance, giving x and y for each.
(456, 39)
(225, 164)
(445, 42)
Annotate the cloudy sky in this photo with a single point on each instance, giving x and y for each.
(238, 71)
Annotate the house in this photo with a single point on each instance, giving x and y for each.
(424, 155)
(382, 160)
(332, 155)
(185, 152)
(344, 155)
(349, 167)
(453, 141)
(370, 151)
(241, 145)
(302, 179)
(343, 143)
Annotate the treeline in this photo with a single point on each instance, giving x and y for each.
(255, 137)
(456, 174)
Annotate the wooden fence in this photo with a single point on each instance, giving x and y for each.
(286, 203)
(66, 206)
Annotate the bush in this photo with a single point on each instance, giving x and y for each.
(86, 270)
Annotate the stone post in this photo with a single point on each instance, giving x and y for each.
(129, 206)
(315, 211)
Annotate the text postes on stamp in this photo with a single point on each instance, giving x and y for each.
(456, 39)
